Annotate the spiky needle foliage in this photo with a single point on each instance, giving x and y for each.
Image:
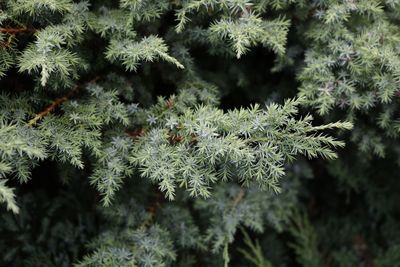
(127, 103)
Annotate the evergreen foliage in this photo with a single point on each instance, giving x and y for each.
(199, 133)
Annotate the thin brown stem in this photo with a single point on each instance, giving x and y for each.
(238, 198)
(17, 30)
(57, 102)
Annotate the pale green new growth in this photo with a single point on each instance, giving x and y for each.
(250, 30)
(130, 53)
(239, 24)
(7, 194)
(147, 10)
(33, 6)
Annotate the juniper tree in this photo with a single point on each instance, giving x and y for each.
(118, 147)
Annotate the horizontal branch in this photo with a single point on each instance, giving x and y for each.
(17, 30)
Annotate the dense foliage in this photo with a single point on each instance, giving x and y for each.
(199, 133)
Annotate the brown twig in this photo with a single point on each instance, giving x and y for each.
(4, 44)
(175, 138)
(17, 30)
(57, 102)
(9, 41)
(172, 138)
(135, 134)
(152, 210)
(238, 198)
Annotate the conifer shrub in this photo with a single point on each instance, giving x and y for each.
(199, 133)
